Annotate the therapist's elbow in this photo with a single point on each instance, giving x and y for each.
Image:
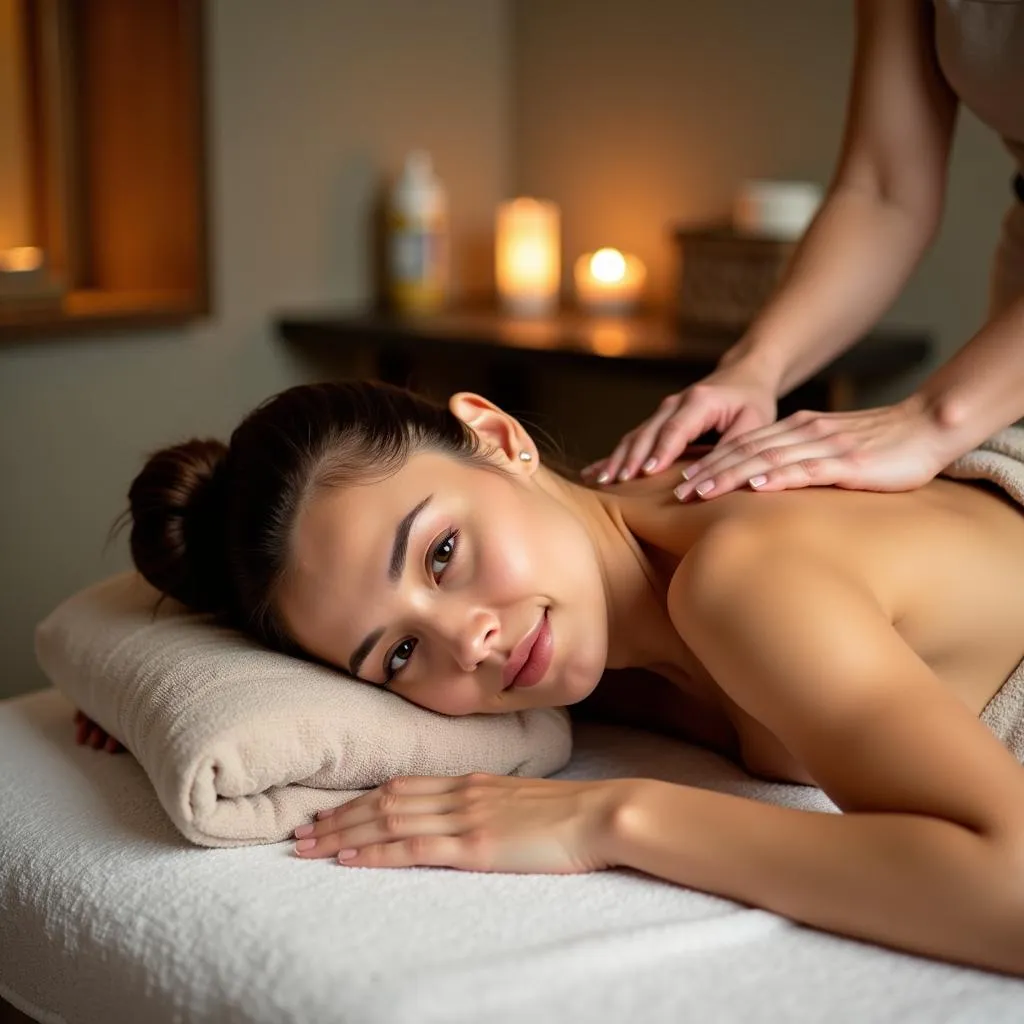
(913, 195)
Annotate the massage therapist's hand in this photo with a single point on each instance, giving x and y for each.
(475, 822)
(732, 400)
(892, 448)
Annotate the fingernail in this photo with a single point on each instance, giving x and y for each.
(686, 474)
(623, 475)
(706, 487)
(757, 481)
(303, 830)
(650, 465)
(346, 854)
(325, 814)
(305, 844)
(680, 493)
(603, 477)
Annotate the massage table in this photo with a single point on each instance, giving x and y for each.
(110, 916)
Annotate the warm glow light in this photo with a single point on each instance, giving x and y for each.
(21, 259)
(610, 339)
(608, 265)
(608, 281)
(527, 257)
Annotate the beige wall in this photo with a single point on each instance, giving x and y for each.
(634, 116)
(631, 115)
(309, 100)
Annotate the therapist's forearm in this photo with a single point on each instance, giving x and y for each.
(850, 266)
(981, 389)
(916, 883)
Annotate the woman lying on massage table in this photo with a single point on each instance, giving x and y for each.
(838, 638)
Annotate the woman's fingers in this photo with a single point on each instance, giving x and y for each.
(401, 823)
(404, 807)
(433, 851)
(88, 733)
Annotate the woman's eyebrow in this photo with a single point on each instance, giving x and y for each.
(399, 551)
(401, 544)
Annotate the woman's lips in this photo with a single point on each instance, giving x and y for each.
(536, 660)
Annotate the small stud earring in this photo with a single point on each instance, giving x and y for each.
(525, 456)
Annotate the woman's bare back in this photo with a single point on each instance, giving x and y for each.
(945, 562)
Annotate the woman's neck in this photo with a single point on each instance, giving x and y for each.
(640, 632)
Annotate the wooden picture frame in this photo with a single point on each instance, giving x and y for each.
(118, 165)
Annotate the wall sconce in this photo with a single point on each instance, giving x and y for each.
(527, 261)
(607, 281)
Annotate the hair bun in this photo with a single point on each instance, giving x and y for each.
(178, 524)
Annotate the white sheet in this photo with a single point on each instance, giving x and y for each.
(109, 915)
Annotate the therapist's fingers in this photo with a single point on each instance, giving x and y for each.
(765, 443)
(633, 452)
(814, 463)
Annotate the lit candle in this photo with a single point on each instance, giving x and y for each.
(23, 274)
(608, 281)
(527, 263)
(22, 259)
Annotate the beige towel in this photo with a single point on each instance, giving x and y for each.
(243, 744)
(1000, 460)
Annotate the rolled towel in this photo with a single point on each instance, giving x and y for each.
(1000, 461)
(243, 744)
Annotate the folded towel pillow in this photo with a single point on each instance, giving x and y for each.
(243, 744)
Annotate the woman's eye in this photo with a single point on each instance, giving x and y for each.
(443, 553)
(399, 658)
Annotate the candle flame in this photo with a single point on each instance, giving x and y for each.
(608, 265)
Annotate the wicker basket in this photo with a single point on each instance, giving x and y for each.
(725, 278)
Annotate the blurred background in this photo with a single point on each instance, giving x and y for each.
(190, 181)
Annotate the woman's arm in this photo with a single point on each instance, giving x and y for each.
(930, 854)
(883, 207)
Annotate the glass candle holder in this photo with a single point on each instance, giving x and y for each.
(607, 281)
(527, 259)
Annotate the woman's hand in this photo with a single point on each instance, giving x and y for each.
(893, 448)
(475, 822)
(732, 400)
(87, 732)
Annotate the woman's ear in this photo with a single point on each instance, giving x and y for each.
(497, 431)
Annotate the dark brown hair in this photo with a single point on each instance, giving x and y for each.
(211, 523)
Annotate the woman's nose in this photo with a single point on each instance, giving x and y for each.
(475, 638)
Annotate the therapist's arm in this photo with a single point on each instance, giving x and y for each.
(882, 210)
(981, 389)
(883, 207)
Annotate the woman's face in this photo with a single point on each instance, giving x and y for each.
(453, 585)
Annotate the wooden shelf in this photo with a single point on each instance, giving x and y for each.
(516, 352)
